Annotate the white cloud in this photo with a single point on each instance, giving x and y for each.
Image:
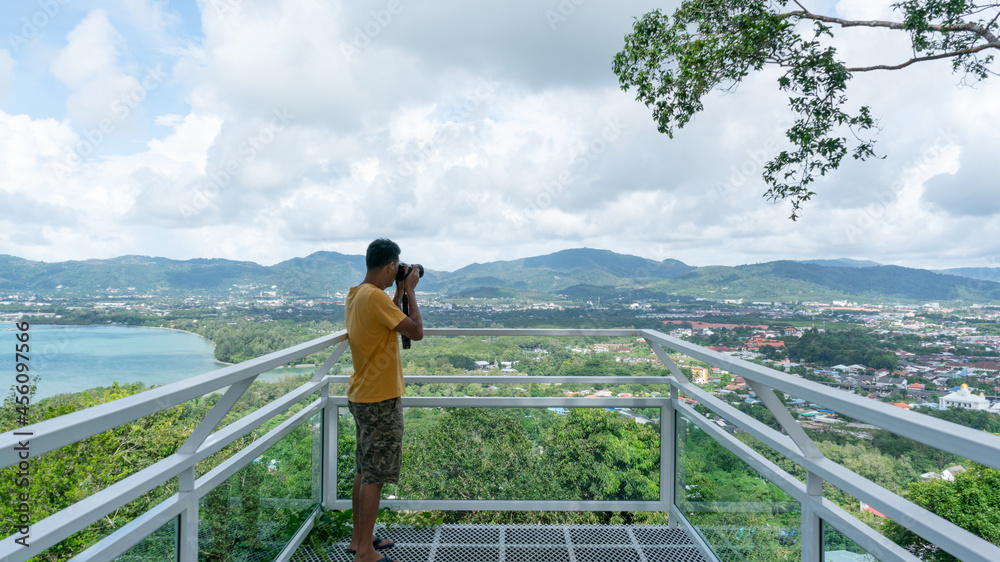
(90, 66)
(28, 151)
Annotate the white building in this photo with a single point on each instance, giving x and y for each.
(950, 472)
(964, 398)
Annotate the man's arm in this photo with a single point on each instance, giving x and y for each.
(412, 326)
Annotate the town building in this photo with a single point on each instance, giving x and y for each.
(965, 398)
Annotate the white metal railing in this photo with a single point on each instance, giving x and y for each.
(794, 444)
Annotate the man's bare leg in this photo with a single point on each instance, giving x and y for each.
(355, 512)
(369, 497)
(356, 516)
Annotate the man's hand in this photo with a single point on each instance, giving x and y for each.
(412, 278)
(412, 326)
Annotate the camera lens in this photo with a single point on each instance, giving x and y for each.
(404, 269)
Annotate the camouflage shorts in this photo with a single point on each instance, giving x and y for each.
(380, 440)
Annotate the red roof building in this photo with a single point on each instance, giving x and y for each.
(757, 342)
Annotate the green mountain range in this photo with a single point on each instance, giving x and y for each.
(790, 280)
(553, 273)
(578, 274)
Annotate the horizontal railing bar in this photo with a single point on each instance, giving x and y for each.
(134, 532)
(58, 432)
(62, 524)
(963, 441)
(742, 507)
(610, 332)
(927, 524)
(515, 402)
(514, 505)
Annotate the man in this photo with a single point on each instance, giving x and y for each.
(374, 391)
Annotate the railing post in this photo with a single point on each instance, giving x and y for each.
(188, 532)
(331, 433)
(812, 531)
(668, 458)
(666, 452)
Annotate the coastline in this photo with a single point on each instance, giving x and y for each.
(212, 343)
(188, 332)
(96, 344)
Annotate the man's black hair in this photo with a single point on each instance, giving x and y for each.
(381, 252)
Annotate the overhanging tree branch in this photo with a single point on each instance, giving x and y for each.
(969, 26)
(939, 56)
(672, 62)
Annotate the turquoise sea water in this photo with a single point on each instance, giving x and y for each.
(75, 358)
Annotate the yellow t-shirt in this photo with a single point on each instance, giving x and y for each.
(371, 316)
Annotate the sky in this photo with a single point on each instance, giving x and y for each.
(466, 131)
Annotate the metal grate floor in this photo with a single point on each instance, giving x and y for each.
(526, 543)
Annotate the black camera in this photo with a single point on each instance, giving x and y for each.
(405, 270)
(404, 303)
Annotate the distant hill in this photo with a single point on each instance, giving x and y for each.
(142, 272)
(982, 273)
(318, 273)
(843, 262)
(313, 275)
(557, 271)
(582, 274)
(789, 280)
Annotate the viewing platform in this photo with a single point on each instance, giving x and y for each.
(528, 543)
(242, 496)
